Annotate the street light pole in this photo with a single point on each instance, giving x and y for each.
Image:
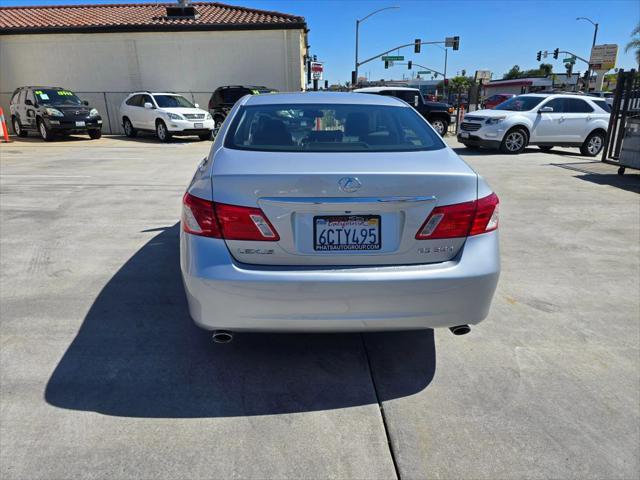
(595, 36)
(358, 22)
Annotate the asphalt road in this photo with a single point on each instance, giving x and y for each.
(103, 375)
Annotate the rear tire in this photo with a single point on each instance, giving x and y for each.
(17, 128)
(514, 141)
(545, 148)
(162, 133)
(592, 146)
(95, 134)
(45, 133)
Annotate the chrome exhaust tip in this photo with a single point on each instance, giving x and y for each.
(460, 329)
(222, 336)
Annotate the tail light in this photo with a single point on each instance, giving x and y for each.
(230, 222)
(461, 219)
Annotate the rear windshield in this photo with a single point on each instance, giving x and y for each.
(520, 104)
(56, 97)
(172, 101)
(330, 128)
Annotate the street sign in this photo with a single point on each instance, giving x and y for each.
(393, 58)
(604, 56)
(569, 60)
(424, 72)
(316, 70)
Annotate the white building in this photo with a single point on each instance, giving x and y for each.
(103, 52)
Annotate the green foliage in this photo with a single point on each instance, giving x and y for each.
(515, 72)
(544, 70)
(634, 44)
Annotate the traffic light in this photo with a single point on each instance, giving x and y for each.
(417, 45)
(456, 43)
(386, 64)
(539, 55)
(353, 77)
(569, 69)
(409, 63)
(446, 82)
(556, 52)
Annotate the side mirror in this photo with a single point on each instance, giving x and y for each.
(28, 102)
(85, 103)
(196, 105)
(416, 101)
(148, 105)
(546, 110)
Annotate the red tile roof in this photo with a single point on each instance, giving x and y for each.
(139, 17)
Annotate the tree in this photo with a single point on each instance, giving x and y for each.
(546, 69)
(634, 44)
(515, 72)
(460, 83)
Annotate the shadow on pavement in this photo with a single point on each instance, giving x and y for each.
(35, 138)
(138, 354)
(604, 174)
(148, 137)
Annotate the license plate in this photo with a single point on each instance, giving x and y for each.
(464, 135)
(346, 232)
(198, 125)
(80, 124)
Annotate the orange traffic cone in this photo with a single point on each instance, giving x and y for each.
(3, 127)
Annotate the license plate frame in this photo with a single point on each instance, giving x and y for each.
(81, 123)
(464, 135)
(359, 221)
(198, 125)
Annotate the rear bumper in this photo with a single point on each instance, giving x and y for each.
(223, 294)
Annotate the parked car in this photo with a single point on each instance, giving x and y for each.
(438, 114)
(166, 114)
(336, 212)
(224, 98)
(52, 111)
(538, 119)
(495, 100)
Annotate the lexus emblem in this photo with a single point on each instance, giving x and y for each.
(349, 184)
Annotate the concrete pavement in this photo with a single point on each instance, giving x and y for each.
(103, 374)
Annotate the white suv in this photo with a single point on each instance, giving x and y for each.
(545, 120)
(166, 114)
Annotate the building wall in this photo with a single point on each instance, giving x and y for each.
(173, 61)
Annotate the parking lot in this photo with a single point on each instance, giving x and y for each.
(103, 374)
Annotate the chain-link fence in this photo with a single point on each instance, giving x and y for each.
(108, 104)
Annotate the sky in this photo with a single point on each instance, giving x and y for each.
(494, 34)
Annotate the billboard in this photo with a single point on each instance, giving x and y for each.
(603, 57)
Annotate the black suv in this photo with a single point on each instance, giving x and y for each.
(438, 114)
(224, 98)
(51, 111)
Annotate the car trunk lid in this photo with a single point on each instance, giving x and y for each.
(305, 195)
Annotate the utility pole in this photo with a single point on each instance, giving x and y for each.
(354, 77)
(595, 36)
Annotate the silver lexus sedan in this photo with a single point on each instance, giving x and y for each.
(335, 212)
